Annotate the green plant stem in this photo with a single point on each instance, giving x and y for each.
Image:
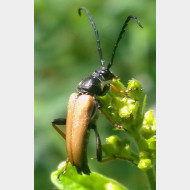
(137, 138)
(151, 178)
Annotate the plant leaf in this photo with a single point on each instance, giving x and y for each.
(72, 180)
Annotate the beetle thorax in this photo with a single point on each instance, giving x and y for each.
(93, 84)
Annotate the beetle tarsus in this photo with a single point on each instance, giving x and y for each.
(64, 170)
(59, 176)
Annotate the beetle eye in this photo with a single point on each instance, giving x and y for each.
(107, 75)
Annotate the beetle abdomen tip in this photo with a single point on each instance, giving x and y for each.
(84, 170)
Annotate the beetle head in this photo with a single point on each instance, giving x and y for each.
(103, 74)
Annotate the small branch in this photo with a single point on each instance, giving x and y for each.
(151, 178)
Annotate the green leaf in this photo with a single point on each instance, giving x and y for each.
(72, 180)
(144, 105)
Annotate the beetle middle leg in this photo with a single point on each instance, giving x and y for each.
(59, 121)
(112, 122)
(99, 105)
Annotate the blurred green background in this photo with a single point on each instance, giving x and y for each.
(66, 52)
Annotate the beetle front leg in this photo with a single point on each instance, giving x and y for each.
(98, 142)
(122, 91)
(59, 121)
(108, 86)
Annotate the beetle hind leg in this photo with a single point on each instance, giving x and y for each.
(64, 170)
(59, 121)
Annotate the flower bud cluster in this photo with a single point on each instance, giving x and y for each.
(123, 108)
(117, 148)
(126, 110)
(148, 131)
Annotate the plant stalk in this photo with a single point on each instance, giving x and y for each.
(151, 177)
(150, 174)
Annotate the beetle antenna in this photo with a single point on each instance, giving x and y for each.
(95, 31)
(120, 36)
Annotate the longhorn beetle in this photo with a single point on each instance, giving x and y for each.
(83, 106)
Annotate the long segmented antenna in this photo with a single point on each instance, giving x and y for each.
(96, 33)
(120, 36)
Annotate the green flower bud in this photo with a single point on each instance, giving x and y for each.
(143, 144)
(152, 143)
(119, 85)
(149, 125)
(124, 100)
(127, 148)
(148, 118)
(145, 164)
(143, 154)
(134, 107)
(109, 149)
(105, 100)
(153, 154)
(112, 139)
(130, 108)
(134, 84)
(154, 125)
(126, 151)
(117, 102)
(147, 131)
(114, 145)
(124, 112)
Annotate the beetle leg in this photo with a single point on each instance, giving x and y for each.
(112, 122)
(64, 170)
(59, 121)
(98, 142)
(99, 105)
(108, 159)
(122, 91)
(113, 157)
(105, 89)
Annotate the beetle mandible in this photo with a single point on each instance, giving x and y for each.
(83, 106)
